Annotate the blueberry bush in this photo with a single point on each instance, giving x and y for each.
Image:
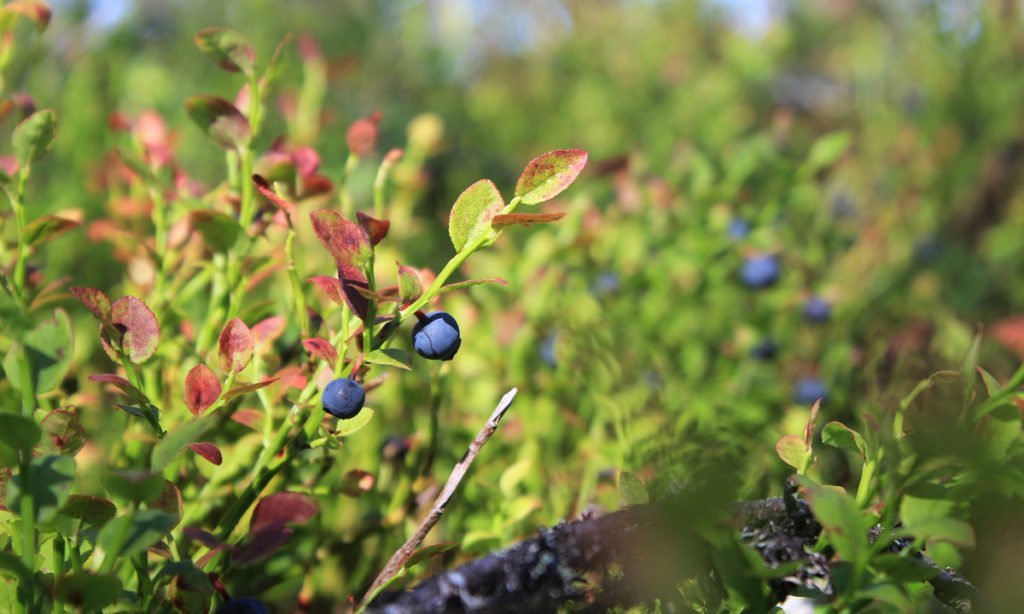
(256, 300)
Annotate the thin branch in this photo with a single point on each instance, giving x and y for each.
(402, 555)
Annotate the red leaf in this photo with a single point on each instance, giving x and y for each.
(250, 387)
(110, 378)
(345, 240)
(306, 160)
(201, 389)
(34, 10)
(375, 229)
(202, 536)
(322, 349)
(220, 120)
(315, 185)
(260, 545)
(280, 509)
(140, 331)
(1010, 333)
(362, 135)
(208, 451)
(352, 281)
(266, 331)
(268, 191)
(331, 286)
(251, 418)
(236, 346)
(510, 219)
(548, 174)
(95, 301)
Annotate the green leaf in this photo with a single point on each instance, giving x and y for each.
(19, 432)
(886, 592)
(350, 426)
(513, 475)
(904, 568)
(89, 510)
(941, 529)
(391, 357)
(793, 451)
(842, 522)
(219, 230)
(227, 49)
(547, 175)
(11, 565)
(145, 529)
(472, 212)
(969, 368)
(631, 490)
(133, 485)
(219, 120)
(177, 440)
(429, 552)
(88, 592)
(42, 229)
(33, 137)
(410, 287)
(50, 345)
(826, 151)
(838, 435)
(50, 479)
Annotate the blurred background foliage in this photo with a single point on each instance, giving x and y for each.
(872, 146)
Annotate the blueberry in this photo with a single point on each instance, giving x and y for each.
(606, 283)
(760, 271)
(244, 605)
(765, 350)
(817, 309)
(808, 390)
(436, 336)
(343, 398)
(738, 228)
(547, 351)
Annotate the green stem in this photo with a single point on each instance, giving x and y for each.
(28, 526)
(298, 296)
(21, 256)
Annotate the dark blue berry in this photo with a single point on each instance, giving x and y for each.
(606, 283)
(765, 350)
(760, 271)
(547, 351)
(738, 228)
(817, 309)
(343, 398)
(436, 336)
(244, 605)
(808, 390)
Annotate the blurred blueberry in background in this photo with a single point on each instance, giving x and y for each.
(765, 350)
(808, 390)
(547, 350)
(817, 310)
(738, 228)
(760, 271)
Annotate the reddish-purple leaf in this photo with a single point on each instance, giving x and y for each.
(345, 240)
(236, 345)
(548, 174)
(246, 388)
(331, 286)
(227, 49)
(525, 219)
(472, 212)
(260, 545)
(110, 378)
(267, 330)
(208, 451)
(140, 332)
(375, 229)
(201, 389)
(409, 286)
(322, 349)
(315, 185)
(202, 536)
(352, 281)
(357, 482)
(220, 120)
(361, 136)
(252, 418)
(268, 191)
(167, 500)
(281, 509)
(95, 301)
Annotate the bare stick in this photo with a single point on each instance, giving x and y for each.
(402, 555)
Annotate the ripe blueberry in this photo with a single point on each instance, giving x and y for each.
(765, 350)
(244, 605)
(817, 309)
(343, 398)
(808, 390)
(436, 336)
(760, 271)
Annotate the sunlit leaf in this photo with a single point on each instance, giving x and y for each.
(547, 175)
